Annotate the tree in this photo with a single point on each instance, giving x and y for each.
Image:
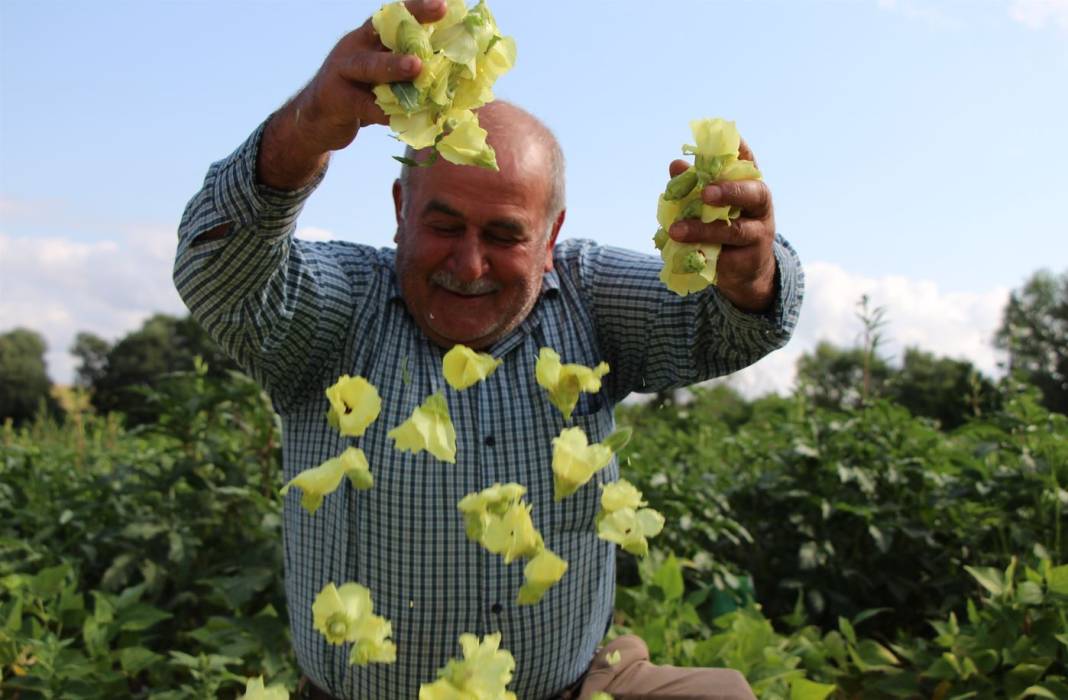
(92, 354)
(946, 390)
(24, 383)
(164, 344)
(1034, 331)
(839, 378)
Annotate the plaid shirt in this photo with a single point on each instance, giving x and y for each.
(297, 314)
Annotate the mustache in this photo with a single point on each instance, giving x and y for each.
(448, 281)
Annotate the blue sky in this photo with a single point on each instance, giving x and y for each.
(915, 149)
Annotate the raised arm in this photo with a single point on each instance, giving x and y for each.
(326, 115)
(655, 339)
(282, 307)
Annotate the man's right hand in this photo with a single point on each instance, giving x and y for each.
(327, 113)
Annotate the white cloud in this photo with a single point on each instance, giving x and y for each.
(58, 286)
(918, 314)
(1035, 14)
(311, 233)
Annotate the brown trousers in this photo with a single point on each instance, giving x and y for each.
(633, 677)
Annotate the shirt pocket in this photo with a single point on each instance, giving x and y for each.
(578, 512)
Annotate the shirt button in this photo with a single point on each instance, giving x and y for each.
(496, 608)
(490, 441)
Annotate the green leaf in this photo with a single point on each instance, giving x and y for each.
(669, 578)
(988, 577)
(868, 614)
(141, 616)
(1022, 677)
(237, 590)
(619, 439)
(136, 659)
(118, 572)
(804, 689)
(1055, 684)
(103, 609)
(13, 617)
(182, 659)
(1029, 593)
(880, 539)
(796, 619)
(986, 660)
(49, 582)
(1037, 691)
(1057, 580)
(847, 630)
(875, 654)
(425, 163)
(407, 94)
(973, 612)
(95, 636)
(143, 531)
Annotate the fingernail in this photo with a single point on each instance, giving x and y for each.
(713, 194)
(409, 64)
(679, 230)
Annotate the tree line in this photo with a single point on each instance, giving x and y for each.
(1033, 332)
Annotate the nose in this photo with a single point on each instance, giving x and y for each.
(468, 260)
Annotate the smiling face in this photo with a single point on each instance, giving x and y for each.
(473, 244)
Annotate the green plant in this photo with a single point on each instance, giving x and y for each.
(155, 565)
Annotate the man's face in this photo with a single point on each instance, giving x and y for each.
(473, 244)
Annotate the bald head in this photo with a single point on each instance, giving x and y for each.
(509, 129)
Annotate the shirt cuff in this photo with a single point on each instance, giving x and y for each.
(241, 199)
(780, 320)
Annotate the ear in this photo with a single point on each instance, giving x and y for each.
(398, 205)
(549, 244)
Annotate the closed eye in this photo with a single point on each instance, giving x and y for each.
(447, 229)
(504, 238)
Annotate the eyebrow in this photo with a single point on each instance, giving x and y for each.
(439, 207)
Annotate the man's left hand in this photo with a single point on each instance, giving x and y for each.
(745, 271)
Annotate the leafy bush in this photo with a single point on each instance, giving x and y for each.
(134, 563)
(813, 548)
(853, 511)
(1013, 643)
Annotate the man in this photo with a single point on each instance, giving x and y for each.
(477, 262)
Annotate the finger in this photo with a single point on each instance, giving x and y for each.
(377, 67)
(364, 37)
(739, 232)
(426, 11)
(752, 196)
(678, 167)
(746, 153)
(364, 105)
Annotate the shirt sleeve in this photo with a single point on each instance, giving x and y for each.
(279, 307)
(655, 340)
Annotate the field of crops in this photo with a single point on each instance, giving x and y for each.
(844, 554)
